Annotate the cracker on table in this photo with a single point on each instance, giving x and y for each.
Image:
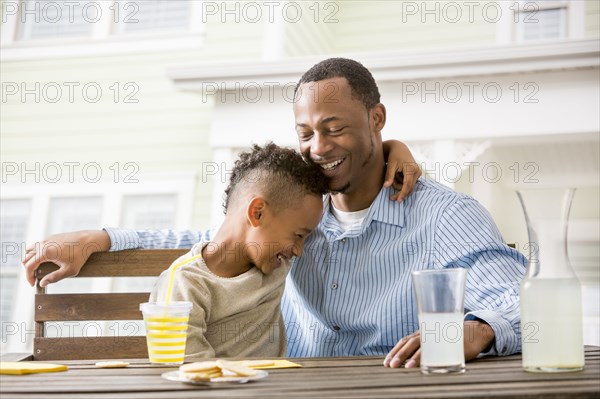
(236, 368)
(112, 364)
(199, 367)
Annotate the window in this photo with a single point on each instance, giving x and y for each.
(531, 21)
(148, 212)
(164, 15)
(15, 216)
(32, 212)
(51, 19)
(13, 230)
(71, 214)
(541, 21)
(34, 29)
(75, 213)
(141, 213)
(44, 19)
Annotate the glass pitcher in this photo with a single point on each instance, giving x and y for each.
(551, 314)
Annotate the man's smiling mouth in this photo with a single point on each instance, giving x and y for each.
(330, 165)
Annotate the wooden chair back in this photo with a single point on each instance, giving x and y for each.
(105, 306)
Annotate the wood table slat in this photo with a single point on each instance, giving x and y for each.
(16, 357)
(357, 377)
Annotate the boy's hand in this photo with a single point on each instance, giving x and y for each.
(402, 170)
(477, 337)
(68, 250)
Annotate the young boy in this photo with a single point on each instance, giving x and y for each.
(273, 201)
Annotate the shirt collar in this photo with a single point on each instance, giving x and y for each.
(382, 209)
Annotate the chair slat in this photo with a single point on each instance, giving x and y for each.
(129, 263)
(82, 348)
(74, 307)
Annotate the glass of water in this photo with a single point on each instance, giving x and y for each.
(440, 303)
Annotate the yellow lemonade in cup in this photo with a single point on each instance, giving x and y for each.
(166, 330)
(167, 323)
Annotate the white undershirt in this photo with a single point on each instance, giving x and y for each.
(348, 219)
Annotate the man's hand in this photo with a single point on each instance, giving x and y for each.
(402, 169)
(477, 337)
(68, 250)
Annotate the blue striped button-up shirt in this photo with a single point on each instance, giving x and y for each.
(350, 293)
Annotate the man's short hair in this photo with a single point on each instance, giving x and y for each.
(362, 84)
(281, 174)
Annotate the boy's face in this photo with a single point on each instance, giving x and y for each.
(281, 234)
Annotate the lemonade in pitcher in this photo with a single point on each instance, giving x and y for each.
(551, 304)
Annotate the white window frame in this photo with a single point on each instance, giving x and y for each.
(103, 40)
(506, 28)
(180, 184)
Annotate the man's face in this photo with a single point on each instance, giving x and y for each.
(281, 234)
(336, 131)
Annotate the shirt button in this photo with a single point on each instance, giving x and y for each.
(336, 328)
(334, 286)
(343, 240)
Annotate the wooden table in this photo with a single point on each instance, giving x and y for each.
(354, 377)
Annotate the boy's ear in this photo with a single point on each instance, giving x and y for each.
(255, 211)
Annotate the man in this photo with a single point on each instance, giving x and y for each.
(350, 292)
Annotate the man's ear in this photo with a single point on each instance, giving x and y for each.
(378, 117)
(255, 211)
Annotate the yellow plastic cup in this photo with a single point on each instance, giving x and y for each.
(166, 330)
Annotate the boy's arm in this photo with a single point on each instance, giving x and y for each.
(197, 345)
(402, 169)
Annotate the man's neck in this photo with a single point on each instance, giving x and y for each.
(361, 197)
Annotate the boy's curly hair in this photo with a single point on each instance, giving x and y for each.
(281, 174)
(360, 80)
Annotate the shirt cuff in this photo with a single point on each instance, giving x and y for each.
(121, 239)
(506, 340)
